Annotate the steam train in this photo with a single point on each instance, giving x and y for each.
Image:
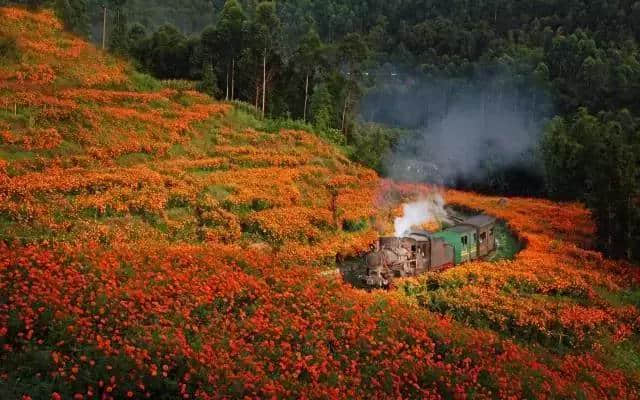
(419, 251)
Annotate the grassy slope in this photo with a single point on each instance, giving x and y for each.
(159, 243)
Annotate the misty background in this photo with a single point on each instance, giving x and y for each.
(481, 133)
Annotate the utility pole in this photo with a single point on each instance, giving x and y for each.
(104, 27)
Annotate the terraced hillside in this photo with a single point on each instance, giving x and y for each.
(157, 244)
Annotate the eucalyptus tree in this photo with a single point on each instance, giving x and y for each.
(230, 38)
(267, 29)
(308, 60)
(353, 53)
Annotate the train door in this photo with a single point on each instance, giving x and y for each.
(483, 244)
(464, 249)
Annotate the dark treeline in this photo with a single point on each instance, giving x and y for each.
(566, 72)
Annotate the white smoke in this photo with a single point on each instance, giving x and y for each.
(421, 212)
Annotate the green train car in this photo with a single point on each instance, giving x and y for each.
(463, 239)
(472, 239)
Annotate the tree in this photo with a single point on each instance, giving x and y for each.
(74, 15)
(322, 107)
(353, 52)
(308, 59)
(229, 37)
(565, 149)
(209, 83)
(596, 158)
(138, 43)
(211, 47)
(119, 40)
(167, 53)
(32, 4)
(267, 31)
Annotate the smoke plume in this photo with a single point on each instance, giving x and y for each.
(464, 132)
(420, 213)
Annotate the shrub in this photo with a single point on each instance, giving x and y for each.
(276, 125)
(144, 83)
(8, 50)
(179, 84)
(354, 226)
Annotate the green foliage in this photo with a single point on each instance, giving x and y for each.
(276, 125)
(209, 83)
(229, 31)
(596, 158)
(9, 52)
(143, 83)
(119, 38)
(354, 226)
(30, 4)
(166, 53)
(179, 84)
(371, 143)
(267, 24)
(74, 15)
(322, 108)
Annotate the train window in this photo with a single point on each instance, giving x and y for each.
(483, 237)
(464, 240)
(413, 248)
(475, 237)
(491, 232)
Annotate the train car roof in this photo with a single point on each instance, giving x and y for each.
(421, 233)
(418, 238)
(480, 220)
(461, 229)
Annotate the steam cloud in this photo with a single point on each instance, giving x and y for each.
(465, 133)
(420, 213)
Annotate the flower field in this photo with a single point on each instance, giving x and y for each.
(157, 244)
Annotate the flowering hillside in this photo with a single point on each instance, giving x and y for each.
(157, 244)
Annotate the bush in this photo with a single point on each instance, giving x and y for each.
(209, 83)
(354, 226)
(334, 136)
(144, 83)
(8, 50)
(179, 84)
(276, 125)
(372, 143)
(246, 108)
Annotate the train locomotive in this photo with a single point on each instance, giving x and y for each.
(420, 251)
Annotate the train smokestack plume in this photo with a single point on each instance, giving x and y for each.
(428, 211)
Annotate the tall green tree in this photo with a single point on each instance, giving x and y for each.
(209, 83)
(119, 39)
(308, 60)
(267, 29)
(230, 37)
(168, 53)
(74, 15)
(353, 52)
(322, 108)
